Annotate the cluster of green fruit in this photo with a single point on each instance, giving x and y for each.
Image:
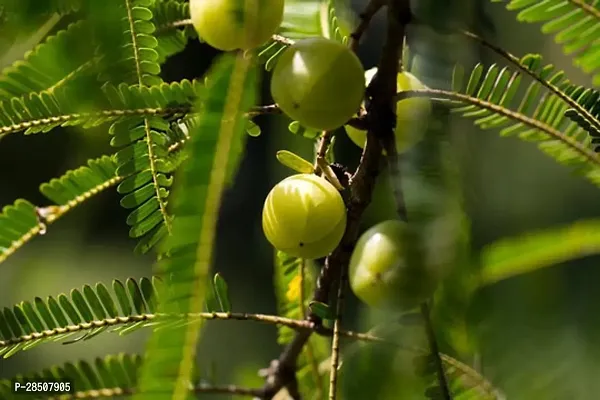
(318, 82)
(321, 84)
(304, 216)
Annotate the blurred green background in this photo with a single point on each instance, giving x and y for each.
(538, 332)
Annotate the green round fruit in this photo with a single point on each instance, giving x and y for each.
(304, 216)
(411, 114)
(318, 82)
(231, 24)
(380, 273)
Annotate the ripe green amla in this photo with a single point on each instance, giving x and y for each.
(304, 216)
(236, 24)
(380, 273)
(318, 82)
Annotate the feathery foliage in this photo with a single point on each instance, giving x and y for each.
(83, 313)
(44, 111)
(144, 160)
(574, 23)
(171, 40)
(109, 376)
(330, 26)
(29, 8)
(105, 68)
(588, 100)
(559, 137)
(104, 377)
(58, 60)
(22, 221)
(18, 223)
(231, 91)
(129, 51)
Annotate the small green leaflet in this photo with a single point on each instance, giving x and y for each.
(294, 162)
(222, 292)
(510, 257)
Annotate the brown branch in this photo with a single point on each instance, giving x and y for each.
(381, 119)
(402, 11)
(433, 347)
(365, 21)
(335, 345)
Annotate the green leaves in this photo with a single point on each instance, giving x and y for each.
(330, 26)
(171, 40)
(535, 250)
(23, 221)
(294, 162)
(222, 293)
(131, 57)
(83, 313)
(60, 59)
(539, 115)
(146, 171)
(18, 223)
(114, 375)
(573, 23)
(78, 185)
(230, 92)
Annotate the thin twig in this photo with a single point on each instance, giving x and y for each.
(299, 325)
(590, 9)
(365, 21)
(282, 40)
(335, 344)
(441, 374)
(264, 110)
(324, 143)
(103, 114)
(321, 166)
(173, 25)
(517, 63)
(532, 122)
